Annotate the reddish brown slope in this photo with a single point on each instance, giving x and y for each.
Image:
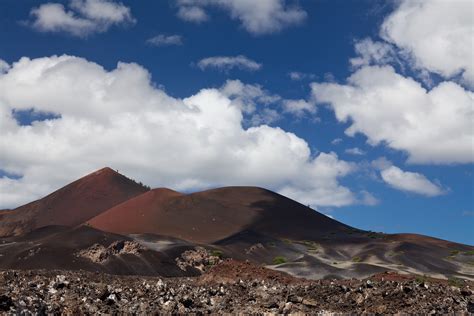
(73, 204)
(216, 214)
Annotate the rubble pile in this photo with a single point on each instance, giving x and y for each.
(77, 292)
(98, 253)
(199, 258)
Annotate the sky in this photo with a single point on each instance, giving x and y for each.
(363, 110)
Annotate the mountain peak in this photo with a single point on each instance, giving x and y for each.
(104, 170)
(74, 203)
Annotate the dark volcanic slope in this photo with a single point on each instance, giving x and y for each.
(73, 204)
(84, 248)
(216, 214)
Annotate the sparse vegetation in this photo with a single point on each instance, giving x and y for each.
(420, 279)
(351, 231)
(279, 260)
(469, 253)
(455, 282)
(287, 241)
(216, 253)
(375, 235)
(454, 252)
(139, 183)
(356, 259)
(311, 246)
(144, 185)
(395, 253)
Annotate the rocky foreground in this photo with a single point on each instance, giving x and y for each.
(229, 286)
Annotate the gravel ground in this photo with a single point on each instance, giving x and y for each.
(229, 287)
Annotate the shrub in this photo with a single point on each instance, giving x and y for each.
(375, 235)
(454, 252)
(216, 253)
(455, 282)
(356, 259)
(421, 279)
(395, 253)
(309, 244)
(279, 260)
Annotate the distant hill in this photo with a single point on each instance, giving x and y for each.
(107, 222)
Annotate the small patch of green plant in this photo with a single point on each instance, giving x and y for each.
(454, 252)
(287, 241)
(279, 260)
(335, 262)
(309, 244)
(356, 259)
(420, 279)
(375, 235)
(469, 253)
(455, 282)
(216, 253)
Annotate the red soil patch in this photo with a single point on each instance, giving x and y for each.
(73, 204)
(393, 276)
(232, 271)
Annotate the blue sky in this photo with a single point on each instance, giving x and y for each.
(406, 168)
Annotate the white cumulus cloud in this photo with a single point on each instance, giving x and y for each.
(4, 66)
(432, 126)
(165, 40)
(298, 76)
(193, 14)
(262, 105)
(355, 151)
(372, 53)
(437, 34)
(256, 17)
(84, 17)
(299, 107)
(248, 96)
(226, 63)
(410, 182)
(119, 118)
